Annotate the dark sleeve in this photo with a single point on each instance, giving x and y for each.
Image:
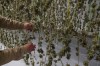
(10, 24)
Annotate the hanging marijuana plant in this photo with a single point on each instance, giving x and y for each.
(55, 21)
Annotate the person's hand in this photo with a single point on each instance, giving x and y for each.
(30, 47)
(28, 26)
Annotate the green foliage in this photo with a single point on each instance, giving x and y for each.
(58, 20)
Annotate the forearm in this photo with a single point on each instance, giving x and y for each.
(11, 54)
(10, 24)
